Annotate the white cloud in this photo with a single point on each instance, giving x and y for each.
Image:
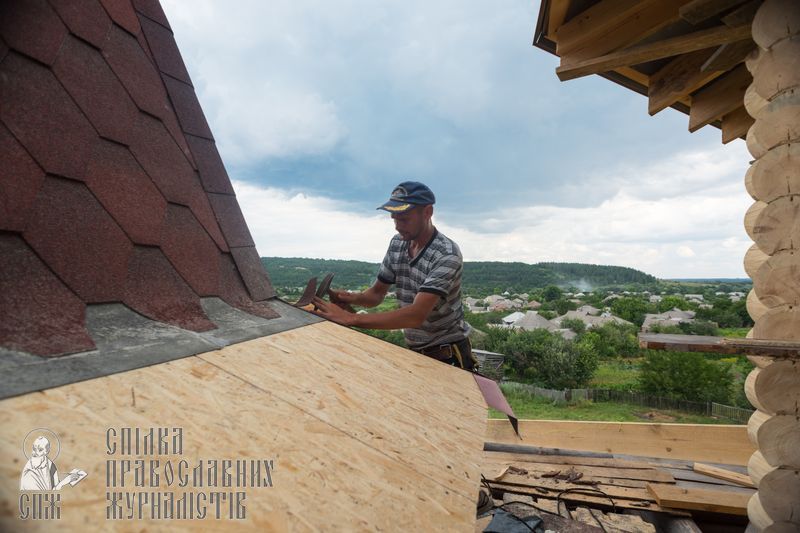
(659, 237)
(251, 125)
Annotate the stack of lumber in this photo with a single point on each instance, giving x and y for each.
(562, 484)
(773, 262)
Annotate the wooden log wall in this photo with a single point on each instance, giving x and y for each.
(773, 262)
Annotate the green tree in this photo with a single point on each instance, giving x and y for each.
(551, 293)
(613, 339)
(545, 358)
(686, 376)
(672, 301)
(630, 309)
(575, 324)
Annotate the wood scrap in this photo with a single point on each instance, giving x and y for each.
(587, 497)
(548, 470)
(727, 475)
(550, 485)
(714, 501)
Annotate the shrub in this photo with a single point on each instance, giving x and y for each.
(575, 324)
(686, 376)
(615, 340)
(545, 358)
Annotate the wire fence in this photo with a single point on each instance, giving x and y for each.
(736, 414)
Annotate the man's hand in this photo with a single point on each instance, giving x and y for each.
(333, 312)
(342, 297)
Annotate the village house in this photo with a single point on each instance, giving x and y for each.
(669, 318)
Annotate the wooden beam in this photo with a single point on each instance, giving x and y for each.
(724, 444)
(640, 24)
(658, 50)
(735, 125)
(713, 501)
(677, 79)
(697, 11)
(588, 497)
(722, 473)
(754, 259)
(719, 98)
(742, 15)
(592, 22)
(728, 56)
(556, 17)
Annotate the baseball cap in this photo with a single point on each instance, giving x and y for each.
(407, 195)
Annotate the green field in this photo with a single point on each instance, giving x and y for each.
(618, 375)
(529, 407)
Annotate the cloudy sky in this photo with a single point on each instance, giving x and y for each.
(319, 108)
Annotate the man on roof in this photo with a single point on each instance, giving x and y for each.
(425, 266)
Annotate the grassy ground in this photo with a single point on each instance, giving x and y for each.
(540, 408)
(613, 374)
(733, 332)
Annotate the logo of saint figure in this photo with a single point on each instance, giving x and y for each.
(40, 472)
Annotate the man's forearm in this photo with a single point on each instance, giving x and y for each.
(368, 298)
(406, 317)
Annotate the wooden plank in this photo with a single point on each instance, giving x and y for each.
(698, 11)
(684, 343)
(705, 344)
(653, 17)
(721, 97)
(554, 485)
(709, 443)
(652, 474)
(727, 475)
(677, 79)
(336, 456)
(713, 501)
(727, 56)
(657, 50)
(742, 15)
(557, 14)
(593, 22)
(635, 75)
(736, 124)
(565, 460)
(587, 496)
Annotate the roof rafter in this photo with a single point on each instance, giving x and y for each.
(677, 79)
(698, 11)
(619, 32)
(719, 98)
(657, 50)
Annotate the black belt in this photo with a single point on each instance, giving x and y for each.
(442, 352)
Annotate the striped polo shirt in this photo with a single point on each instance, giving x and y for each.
(436, 269)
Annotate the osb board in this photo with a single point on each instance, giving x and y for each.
(710, 443)
(362, 434)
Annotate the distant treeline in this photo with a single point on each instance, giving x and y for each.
(479, 277)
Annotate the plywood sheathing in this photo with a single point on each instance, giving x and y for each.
(363, 434)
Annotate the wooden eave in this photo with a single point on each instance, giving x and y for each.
(678, 53)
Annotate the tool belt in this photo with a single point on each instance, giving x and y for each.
(442, 352)
(456, 353)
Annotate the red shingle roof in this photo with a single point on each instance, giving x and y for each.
(111, 186)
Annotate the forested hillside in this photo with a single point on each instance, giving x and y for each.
(479, 277)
